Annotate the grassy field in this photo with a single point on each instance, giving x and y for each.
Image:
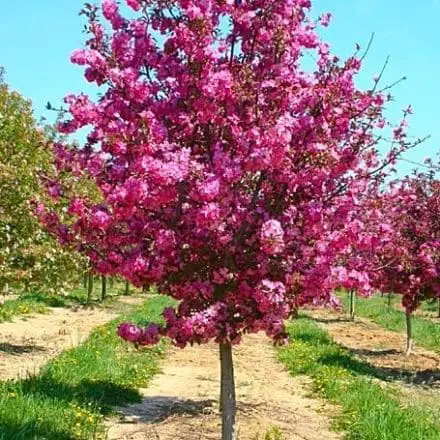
(368, 411)
(431, 307)
(73, 392)
(426, 332)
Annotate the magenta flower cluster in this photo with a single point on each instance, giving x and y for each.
(141, 336)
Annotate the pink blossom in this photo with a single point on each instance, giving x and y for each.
(100, 219)
(76, 207)
(325, 19)
(150, 336)
(79, 56)
(134, 4)
(165, 240)
(207, 190)
(129, 332)
(272, 237)
(208, 216)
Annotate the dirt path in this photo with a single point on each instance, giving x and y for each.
(381, 348)
(181, 403)
(26, 345)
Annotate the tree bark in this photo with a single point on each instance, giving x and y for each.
(390, 297)
(89, 287)
(228, 402)
(127, 288)
(103, 288)
(409, 341)
(352, 305)
(438, 315)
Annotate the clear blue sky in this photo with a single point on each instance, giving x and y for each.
(38, 37)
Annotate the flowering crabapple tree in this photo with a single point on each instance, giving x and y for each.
(369, 230)
(412, 259)
(228, 172)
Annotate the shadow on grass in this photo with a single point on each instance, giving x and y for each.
(425, 377)
(313, 338)
(15, 349)
(11, 430)
(332, 320)
(49, 393)
(373, 353)
(54, 301)
(103, 394)
(70, 301)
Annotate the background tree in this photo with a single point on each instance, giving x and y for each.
(30, 258)
(412, 259)
(228, 174)
(369, 229)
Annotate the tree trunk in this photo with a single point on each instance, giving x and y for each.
(390, 297)
(103, 288)
(112, 282)
(85, 279)
(228, 402)
(409, 341)
(352, 305)
(438, 315)
(127, 288)
(89, 287)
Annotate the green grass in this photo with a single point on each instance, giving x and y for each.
(426, 332)
(368, 411)
(431, 306)
(73, 392)
(21, 306)
(274, 433)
